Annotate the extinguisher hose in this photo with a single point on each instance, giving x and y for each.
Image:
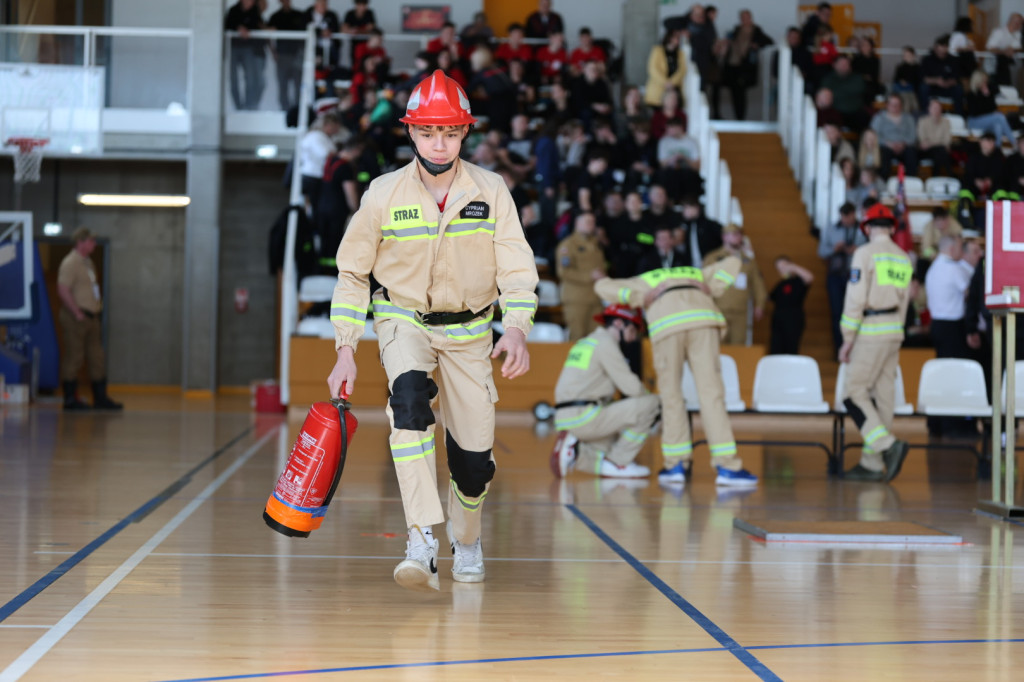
(342, 406)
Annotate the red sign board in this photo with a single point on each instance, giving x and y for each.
(1004, 254)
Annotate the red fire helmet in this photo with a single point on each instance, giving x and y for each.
(631, 315)
(438, 101)
(877, 212)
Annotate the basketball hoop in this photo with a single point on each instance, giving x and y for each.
(28, 157)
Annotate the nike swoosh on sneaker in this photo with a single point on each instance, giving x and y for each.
(433, 567)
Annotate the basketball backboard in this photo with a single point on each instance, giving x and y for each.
(63, 104)
(16, 266)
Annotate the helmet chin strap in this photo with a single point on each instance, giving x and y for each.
(434, 169)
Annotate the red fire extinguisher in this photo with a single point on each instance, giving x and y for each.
(307, 484)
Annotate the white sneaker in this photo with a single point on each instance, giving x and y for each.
(567, 454)
(419, 569)
(469, 559)
(631, 470)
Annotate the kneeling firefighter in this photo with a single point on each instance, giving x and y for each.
(443, 238)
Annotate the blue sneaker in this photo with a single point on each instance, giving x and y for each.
(735, 479)
(677, 474)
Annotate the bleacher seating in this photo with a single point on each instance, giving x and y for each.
(942, 187)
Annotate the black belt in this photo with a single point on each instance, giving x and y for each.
(449, 318)
(678, 286)
(883, 311)
(577, 403)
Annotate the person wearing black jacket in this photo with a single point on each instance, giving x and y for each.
(700, 235)
(739, 70)
(247, 55)
(940, 75)
(664, 253)
(544, 22)
(288, 54)
(327, 24)
(1013, 177)
(867, 64)
(982, 112)
(822, 17)
(985, 168)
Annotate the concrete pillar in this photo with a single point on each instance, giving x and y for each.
(202, 217)
(641, 30)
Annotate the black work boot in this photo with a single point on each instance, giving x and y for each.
(71, 401)
(100, 399)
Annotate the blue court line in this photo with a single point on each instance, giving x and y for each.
(564, 657)
(730, 644)
(8, 609)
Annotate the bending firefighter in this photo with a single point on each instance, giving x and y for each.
(599, 434)
(684, 325)
(874, 309)
(443, 238)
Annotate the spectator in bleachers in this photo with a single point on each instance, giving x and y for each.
(660, 210)
(288, 54)
(664, 254)
(326, 23)
(916, 330)
(666, 68)
(485, 155)
(869, 188)
(491, 91)
(869, 152)
(748, 290)
(941, 225)
(841, 149)
(940, 75)
(526, 93)
(547, 170)
(314, 148)
(373, 46)
(604, 139)
(703, 36)
(679, 161)
(629, 236)
(247, 55)
(552, 59)
(985, 168)
(740, 66)
(982, 112)
(823, 54)
(514, 47)
(339, 198)
(897, 136)
(670, 110)
(866, 63)
(423, 65)
(632, 110)
(935, 138)
(446, 40)
(579, 263)
(358, 23)
(516, 151)
(821, 17)
(698, 235)
(906, 79)
(586, 51)
(544, 22)
(847, 93)
(557, 105)
(788, 315)
(836, 247)
(801, 58)
(1013, 180)
(946, 285)
(961, 45)
(591, 185)
(451, 68)
(1004, 41)
(641, 152)
(827, 114)
(591, 95)
(477, 33)
(572, 148)
(848, 168)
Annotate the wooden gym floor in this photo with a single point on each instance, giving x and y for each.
(133, 549)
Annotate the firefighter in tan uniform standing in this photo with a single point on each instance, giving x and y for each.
(684, 325)
(749, 287)
(579, 262)
(874, 309)
(443, 238)
(601, 435)
(82, 332)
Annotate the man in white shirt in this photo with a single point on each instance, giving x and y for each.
(315, 147)
(1004, 41)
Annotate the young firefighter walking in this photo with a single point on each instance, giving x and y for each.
(443, 238)
(606, 433)
(684, 325)
(872, 324)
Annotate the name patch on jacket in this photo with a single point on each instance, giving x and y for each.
(406, 214)
(477, 210)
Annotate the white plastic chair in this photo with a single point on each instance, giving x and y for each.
(317, 288)
(940, 187)
(953, 387)
(957, 125)
(788, 383)
(546, 332)
(914, 186)
(316, 326)
(1008, 95)
(730, 379)
(900, 404)
(918, 221)
(547, 293)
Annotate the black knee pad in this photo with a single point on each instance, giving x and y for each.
(471, 471)
(855, 412)
(411, 394)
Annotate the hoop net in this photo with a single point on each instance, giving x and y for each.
(28, 157)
